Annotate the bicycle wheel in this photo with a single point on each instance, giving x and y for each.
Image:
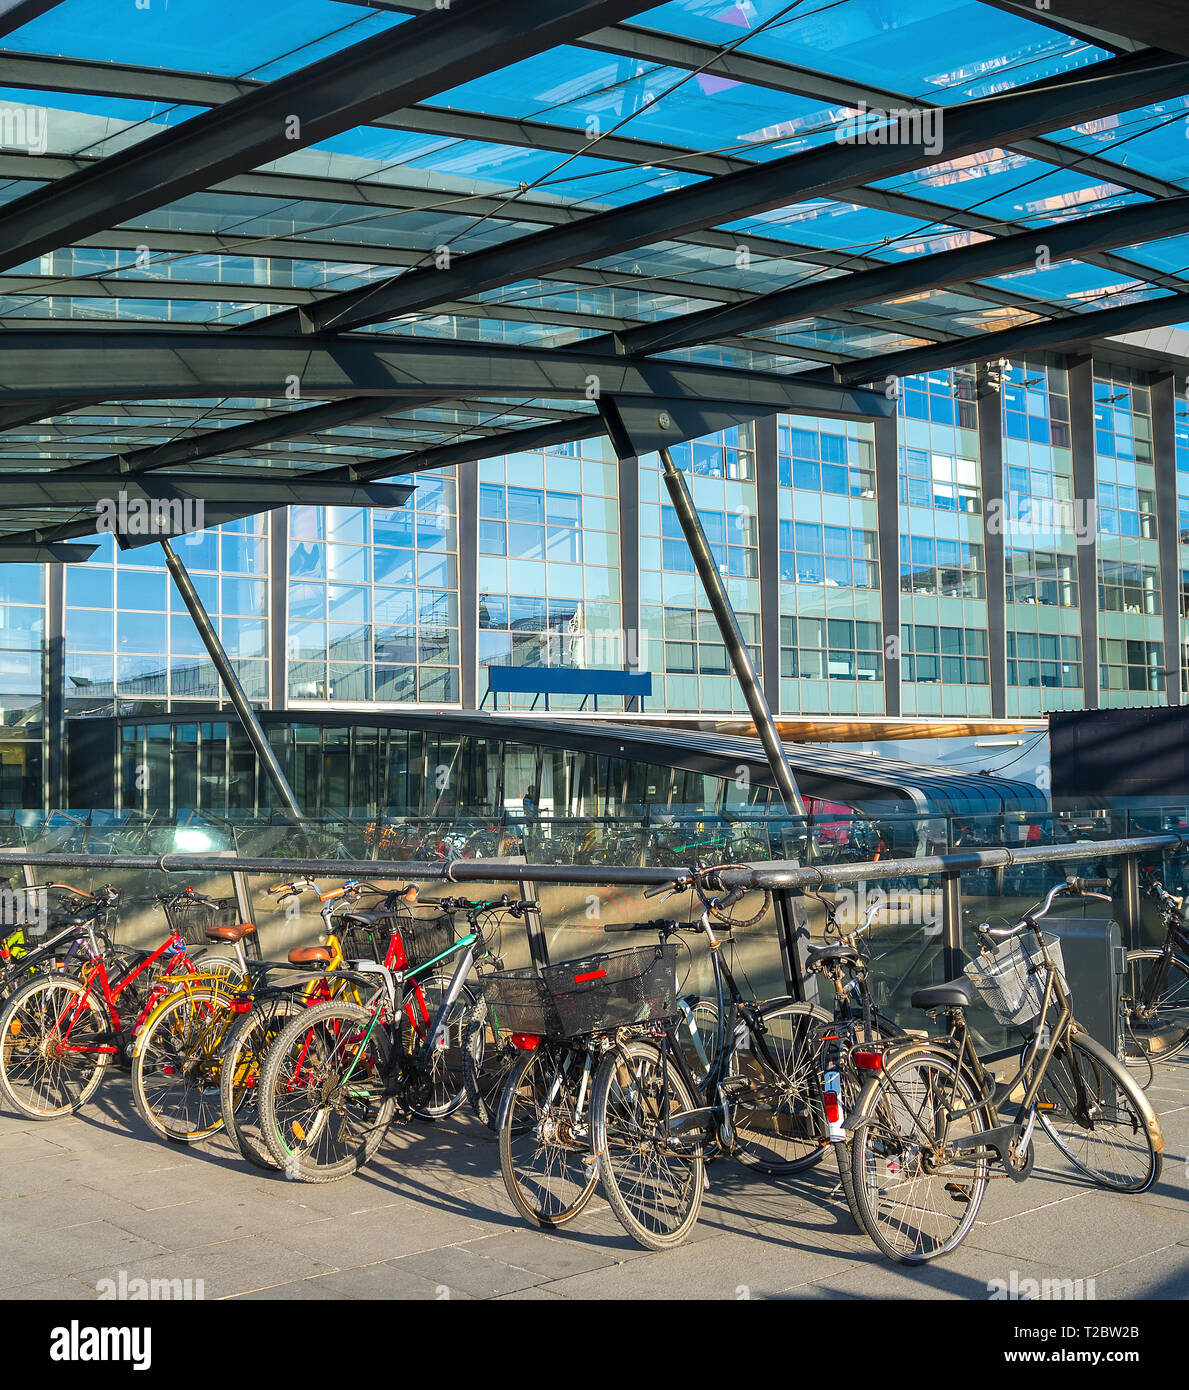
(50, 1034)
(325, 1092)
(653, 1175)
(1092, 1109)
(488, 1060)
(1156, 1020)
(176, 1065)
(239, 1077)
(545, 1154)
(439, 1087)
(915, 1200)
(779, 1121)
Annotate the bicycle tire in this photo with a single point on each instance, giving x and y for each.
(1117, 1120)
(886, 1148)
(1158, 1044)
(239, 1077)
(634, 1089)
(176, 1064)
(328, 1051)
(789, 1098)
(66, 1082)
(544, 1155)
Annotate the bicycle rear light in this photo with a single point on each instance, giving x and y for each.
(868, 1061)
(525, 1042)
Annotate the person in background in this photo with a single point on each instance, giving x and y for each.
(529, 802)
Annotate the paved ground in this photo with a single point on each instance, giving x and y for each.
(93, 1198)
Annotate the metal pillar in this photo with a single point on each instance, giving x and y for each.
(951, 922)
(235, 691)
(728, 626)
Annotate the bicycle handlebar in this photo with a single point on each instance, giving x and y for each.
(1075, 887)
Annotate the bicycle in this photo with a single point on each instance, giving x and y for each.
(926, 1129)
(60, 1034)
(62, 948)
(1156, 989)
(654, 1123)
(179, 1058)
(335, 1075)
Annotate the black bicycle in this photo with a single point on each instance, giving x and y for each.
(1156, 988)
(655, 1123)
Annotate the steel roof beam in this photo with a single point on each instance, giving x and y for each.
(1093, 92)
(117, 364)
(403, 65)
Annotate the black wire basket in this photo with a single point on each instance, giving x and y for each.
(365, 937)
(426, 937)
(593, 995)
(192, 918)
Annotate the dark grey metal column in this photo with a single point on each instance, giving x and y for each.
(468, 583)
(278, 584)
(990, 448)
(235, 691)
(1085, 493)
(728, 626)
(1164, 450)
(53, 675)
(629, 563)
(768, 524)
(887, 510)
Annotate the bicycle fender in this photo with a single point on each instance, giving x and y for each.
(1110, 1062)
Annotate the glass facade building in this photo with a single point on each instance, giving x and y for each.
(976, 600)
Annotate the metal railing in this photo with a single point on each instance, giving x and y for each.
(790, 882)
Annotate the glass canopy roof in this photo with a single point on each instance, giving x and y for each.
(458, 218)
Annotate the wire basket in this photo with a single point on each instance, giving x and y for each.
(192, 918)
(593, 995)
(365, 937)
(426, 937)
(1012, 978)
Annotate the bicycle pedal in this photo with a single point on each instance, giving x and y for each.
(958, 1192)
(735, 1086)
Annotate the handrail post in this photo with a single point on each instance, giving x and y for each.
(1132, 908)
(791, 924)
(951, 923)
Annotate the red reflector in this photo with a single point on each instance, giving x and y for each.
(833, 1106)
(868, 1061)
(525, 1041)
(590, 975)
(240, 1006)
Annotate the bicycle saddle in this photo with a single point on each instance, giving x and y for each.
(959, 992)
(230, 934)
(828, 955)
(310, 955)
(369, 919)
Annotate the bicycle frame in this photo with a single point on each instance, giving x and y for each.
(96, 972)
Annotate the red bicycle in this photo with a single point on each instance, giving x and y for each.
(60, 1033)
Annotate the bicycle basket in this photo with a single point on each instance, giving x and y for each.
(426, 937)
(191, 917)
(364, 937)
(519, 1002)
(1012, 978)
(614, 989)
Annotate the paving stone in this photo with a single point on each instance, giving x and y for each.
(389, 1281)
(466, 1269)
